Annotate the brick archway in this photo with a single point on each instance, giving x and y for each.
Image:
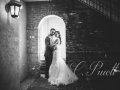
(42, 34)
(62, 15)
(32, 38)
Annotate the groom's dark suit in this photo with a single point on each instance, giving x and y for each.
(48, 55)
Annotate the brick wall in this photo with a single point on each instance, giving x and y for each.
(90, 41)
(36, 11)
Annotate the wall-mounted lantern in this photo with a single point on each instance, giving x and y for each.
(14, 7)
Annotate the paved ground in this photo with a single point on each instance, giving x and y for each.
(26, 83)
(84, 83)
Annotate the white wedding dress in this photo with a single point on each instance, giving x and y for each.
(59, 72)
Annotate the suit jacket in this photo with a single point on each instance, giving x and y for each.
(48, 49)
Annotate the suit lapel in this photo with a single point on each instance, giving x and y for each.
(51, 40)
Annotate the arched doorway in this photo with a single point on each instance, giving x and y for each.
(48, 22)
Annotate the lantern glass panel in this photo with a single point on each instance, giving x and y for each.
(12, 10)
(17, 10)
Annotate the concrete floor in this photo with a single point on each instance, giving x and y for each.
(26, 83)
(84, 83)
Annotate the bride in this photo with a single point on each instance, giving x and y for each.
(59, 72)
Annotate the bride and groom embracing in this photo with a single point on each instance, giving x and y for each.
(57, 72)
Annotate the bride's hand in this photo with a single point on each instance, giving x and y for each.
(54, 48)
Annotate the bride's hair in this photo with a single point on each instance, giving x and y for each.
(59, 36)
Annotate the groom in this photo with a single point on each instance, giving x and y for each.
(48, 52)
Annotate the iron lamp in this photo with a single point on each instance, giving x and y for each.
(14, 8)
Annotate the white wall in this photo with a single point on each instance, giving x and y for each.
(22, 43)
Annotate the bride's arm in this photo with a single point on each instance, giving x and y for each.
(56, 42)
